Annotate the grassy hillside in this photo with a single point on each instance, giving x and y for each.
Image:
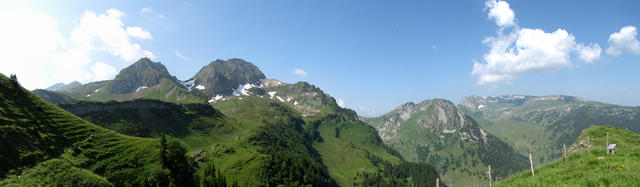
(197, 125)
(33, 130)
(590, 169)
(349, 150)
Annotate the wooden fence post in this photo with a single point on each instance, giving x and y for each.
(564, 150)
(437, 182)
(489, 175)
(531, 162)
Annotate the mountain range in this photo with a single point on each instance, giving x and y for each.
(238, 124)
(247, 126)
(542, 124)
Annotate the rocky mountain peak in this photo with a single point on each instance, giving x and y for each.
(222, 77)
(143, 73)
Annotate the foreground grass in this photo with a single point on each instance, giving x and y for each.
(590, 169)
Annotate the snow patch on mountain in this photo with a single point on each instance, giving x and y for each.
(448, 131)
(141, 87)
(216, 98)
(200, 87)
(243, 89)
(272, 94)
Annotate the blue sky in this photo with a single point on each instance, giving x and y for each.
(373, 55)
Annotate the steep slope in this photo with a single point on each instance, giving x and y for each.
(594, 168)
(437, 132)
(63, 87)
(33, 130)
(224, 77)
(540, 125)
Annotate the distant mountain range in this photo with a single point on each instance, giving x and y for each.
(541, 124)
(63, 87)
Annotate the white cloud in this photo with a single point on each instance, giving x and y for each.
(434, 46)
(588, 54)
(108, 31)
(182, 56)
(341, 103)
(138, 32)
(102, 71)
(162, 16)
(500, 12)
(33, 48)
(299, 72)
(525, 50)
(622, 41)
(145, 10)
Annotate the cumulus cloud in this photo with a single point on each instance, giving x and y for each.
(108, 30)
(524, 50)
(500, 12)
(33, 48)
(299, 72)
(341, 103)
(622, 41)
(138, 32)
(182, 56)
(102, 71)
(588, 54)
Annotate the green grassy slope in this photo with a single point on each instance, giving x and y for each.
(590, 169)
(272, 145)
(197, 125)
(33, 130)
(346, 147)
(57, 172)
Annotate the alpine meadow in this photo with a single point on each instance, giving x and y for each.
(319, 93)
